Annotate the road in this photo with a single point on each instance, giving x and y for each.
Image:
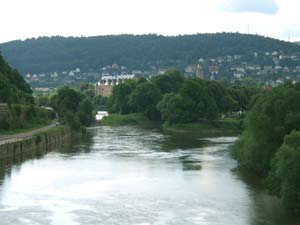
(14, 137)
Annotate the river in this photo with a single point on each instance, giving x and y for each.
(135, 176)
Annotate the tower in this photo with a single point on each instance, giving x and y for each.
(199, 72)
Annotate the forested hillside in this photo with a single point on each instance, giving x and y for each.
(21, 112)
(48, 54)
(13, 88)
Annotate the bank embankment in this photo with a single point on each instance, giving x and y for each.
(128, 119)
(207, 128)
(37, 143)
(228, 126)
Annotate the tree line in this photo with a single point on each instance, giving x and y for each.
(48, 54)
(270, 144)
(74, 107)
(172, 99)
(13, 88)
(21, 111)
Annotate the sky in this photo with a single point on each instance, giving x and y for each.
(33, 18)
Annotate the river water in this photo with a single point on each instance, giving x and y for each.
(128, 175)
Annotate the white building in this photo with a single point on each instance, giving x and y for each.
(101, 114)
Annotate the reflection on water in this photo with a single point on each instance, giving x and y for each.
(127, 175)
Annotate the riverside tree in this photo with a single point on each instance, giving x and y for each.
(73, 107)
(269, 145)
(173, 99)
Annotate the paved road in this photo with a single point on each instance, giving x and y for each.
(11, 138)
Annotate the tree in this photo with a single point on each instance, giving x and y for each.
(100, 102)
(118, 101)
(13, 88)
(284, 178)
(85, 112)
(175, 109)
(203, 105)
(65, 99)
(273, 115)
(43, 101)
(145, 98)
(73, 107)
(168, 82)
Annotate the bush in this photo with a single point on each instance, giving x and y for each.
(129, 119)
(284, 178)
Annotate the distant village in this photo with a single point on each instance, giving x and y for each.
(265, 69)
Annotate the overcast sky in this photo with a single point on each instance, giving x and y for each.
(22, 19)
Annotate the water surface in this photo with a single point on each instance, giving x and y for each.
(127, 175)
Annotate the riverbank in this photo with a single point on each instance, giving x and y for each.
(25, 132)
(37, 143)
(21, 130)
(129, 119)
(229, 126)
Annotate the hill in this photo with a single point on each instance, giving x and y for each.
(13, 87)
(48, 54)
(20, 113)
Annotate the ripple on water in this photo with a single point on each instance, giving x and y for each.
(127, 175)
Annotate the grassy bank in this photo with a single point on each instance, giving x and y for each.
(129, 119)
(26, 127)
(217, 127)
(22, 118)
(228, 126)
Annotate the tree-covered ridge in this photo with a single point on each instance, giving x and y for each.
(13, 88)
(48, 54)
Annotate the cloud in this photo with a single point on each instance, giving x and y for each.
(258, 6)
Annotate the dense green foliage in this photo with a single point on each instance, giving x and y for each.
(284, 178)
(119, 101)
(170, 82)
(25, 117)
(273, 115)
(20, 112)
(144, 98)
(134, 51)
(171, 98)
(269, 145)
(228, 126)
(73, 107)
(129, 119)
(13, 88)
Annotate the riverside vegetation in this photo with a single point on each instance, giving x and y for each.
(24, 112)
(172, 100)
(270, 144)
(21, 113)
(74, 108)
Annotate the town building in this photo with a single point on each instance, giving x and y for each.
(105, 85)
(199, 72)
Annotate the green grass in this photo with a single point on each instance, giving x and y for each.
(129, 119)
(27, 127)
(228, 126)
